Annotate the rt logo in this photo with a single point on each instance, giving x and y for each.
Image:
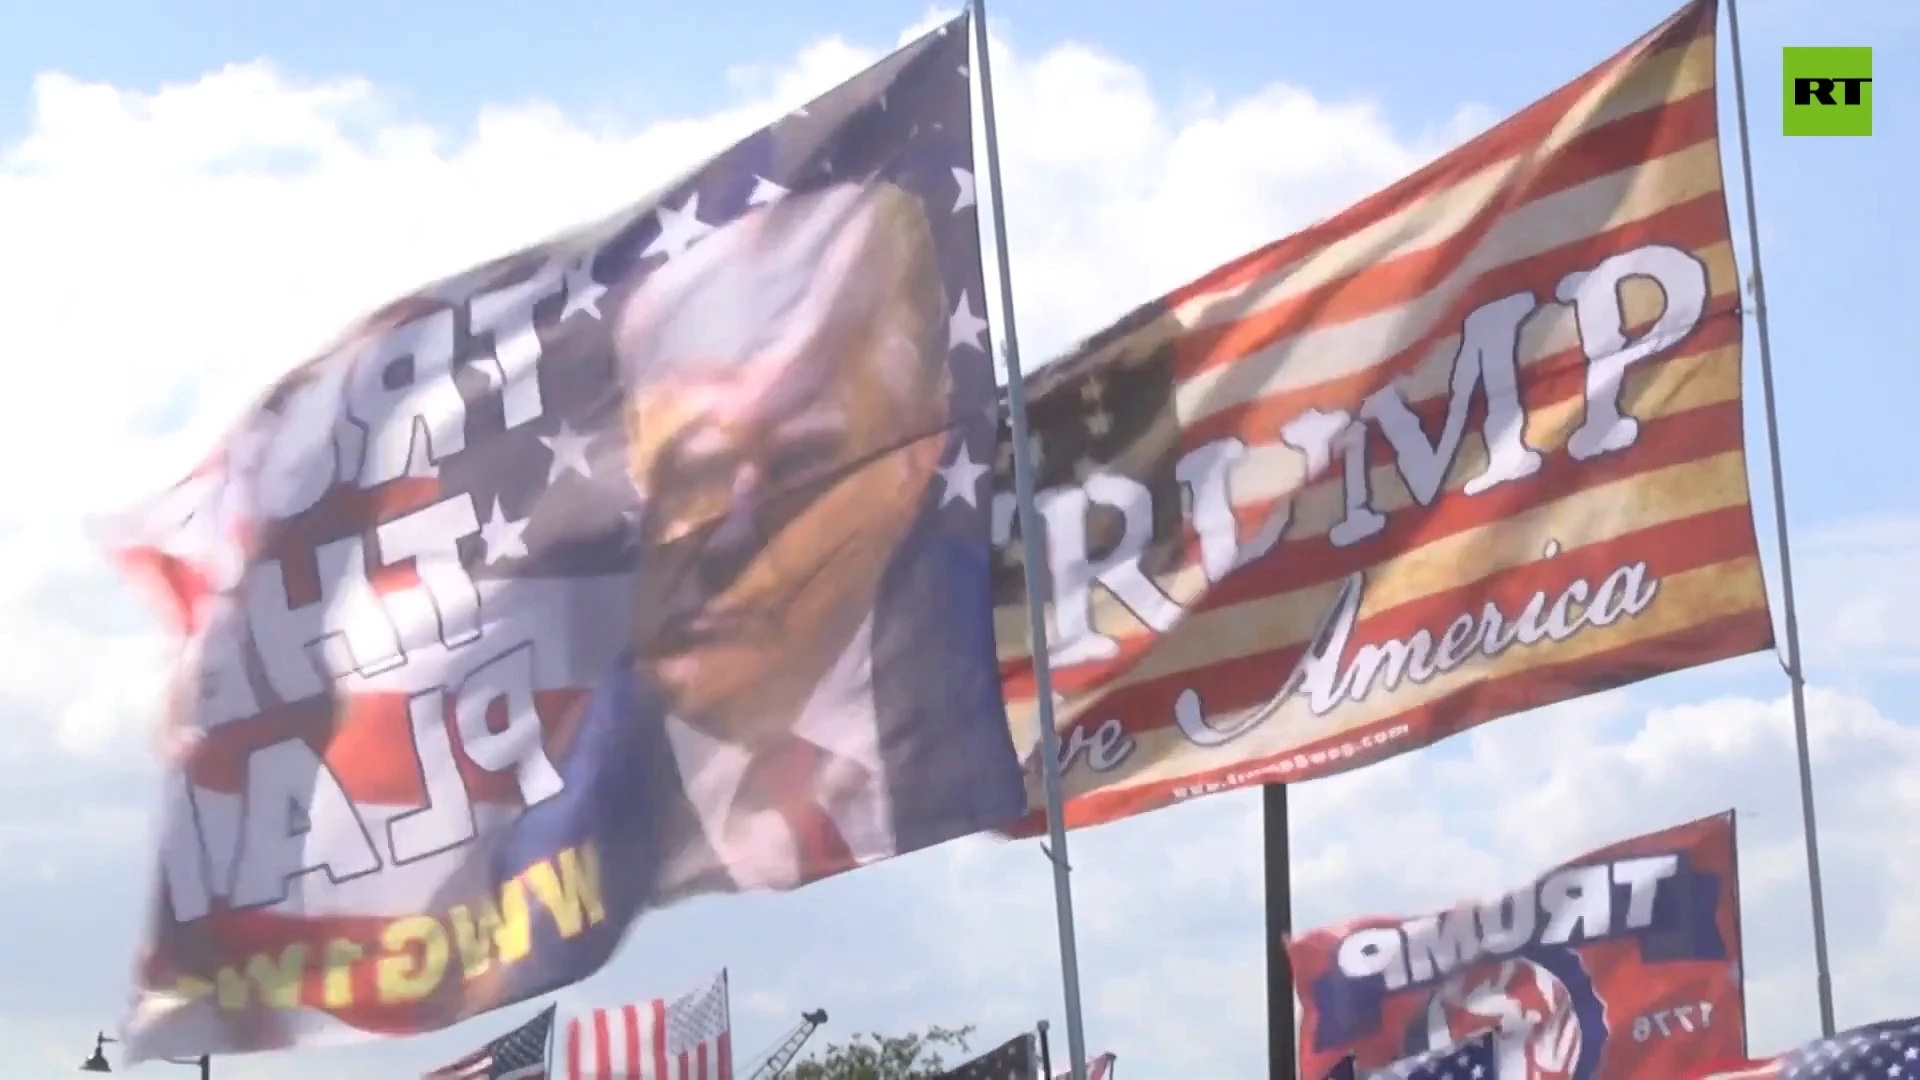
(1827, 91)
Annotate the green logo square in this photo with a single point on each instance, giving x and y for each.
(1827, 91)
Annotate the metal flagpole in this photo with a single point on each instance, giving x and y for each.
(1283, 1055)
(552, 1034)
(1796, 679)
(1746, 1038)
(1046, 1054)
(1030, 538)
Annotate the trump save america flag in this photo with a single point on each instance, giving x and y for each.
(1623, 962)
(1469, 447)
(644, 563)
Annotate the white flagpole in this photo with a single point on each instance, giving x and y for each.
(1796, 678)
(1030, 537)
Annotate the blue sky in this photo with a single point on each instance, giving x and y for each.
(351, 149)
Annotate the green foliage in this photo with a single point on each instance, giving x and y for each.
(881, 1057)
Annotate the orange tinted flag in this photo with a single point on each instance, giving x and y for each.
(1470, 447)
(1624, 962)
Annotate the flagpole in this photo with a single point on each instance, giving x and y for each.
(552, 1034)
(1030, 538)
(1740, 912)
(1046, 1054)
(1796, 678)
(1283, 1057)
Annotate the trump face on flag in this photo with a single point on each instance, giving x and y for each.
(644, 562)
(787, 400)
(811, 683)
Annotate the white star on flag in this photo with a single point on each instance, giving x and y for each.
(962, 478)
(963, 180)
(503, 538)
(569, 450)
(583, 293)
(765, 192)
(678, 228)
(966, 328)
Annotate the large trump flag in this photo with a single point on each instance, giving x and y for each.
(648, 562)
(1471, 446)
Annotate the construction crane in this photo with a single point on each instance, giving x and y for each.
(789, 1047)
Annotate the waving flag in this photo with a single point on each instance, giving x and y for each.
(1623, 962)
(644, 563)
(1097, 1069)
(1888, 1050)
(1015, 1059)
(688, 1038)
(1469, 447)
(520, 1054)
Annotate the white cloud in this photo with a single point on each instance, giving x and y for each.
(1170, 917)
(1860, 595)
(170, 251)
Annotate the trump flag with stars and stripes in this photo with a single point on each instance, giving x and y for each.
(688, 1038)
(645, 563)
(1469, 447)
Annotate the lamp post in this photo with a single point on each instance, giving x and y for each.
(97, 1061)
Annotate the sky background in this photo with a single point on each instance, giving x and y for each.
(195, 195)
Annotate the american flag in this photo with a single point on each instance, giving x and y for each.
(409, 571)
(1016, 1059)
(688, 1038)
(1275, 493)
(1469, 1060)
(520, 1054)
(1097, 1069)
(1888, 1050)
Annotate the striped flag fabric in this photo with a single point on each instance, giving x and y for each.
(1888, 1050)
(1097, 1069)
(688, 1038)
(1471, 446)
(520, 1054)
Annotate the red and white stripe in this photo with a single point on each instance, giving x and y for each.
(689, 1038)
(1097, 1069)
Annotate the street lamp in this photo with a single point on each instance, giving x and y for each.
(97, 1061)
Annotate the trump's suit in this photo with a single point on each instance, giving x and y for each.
(948, 763)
